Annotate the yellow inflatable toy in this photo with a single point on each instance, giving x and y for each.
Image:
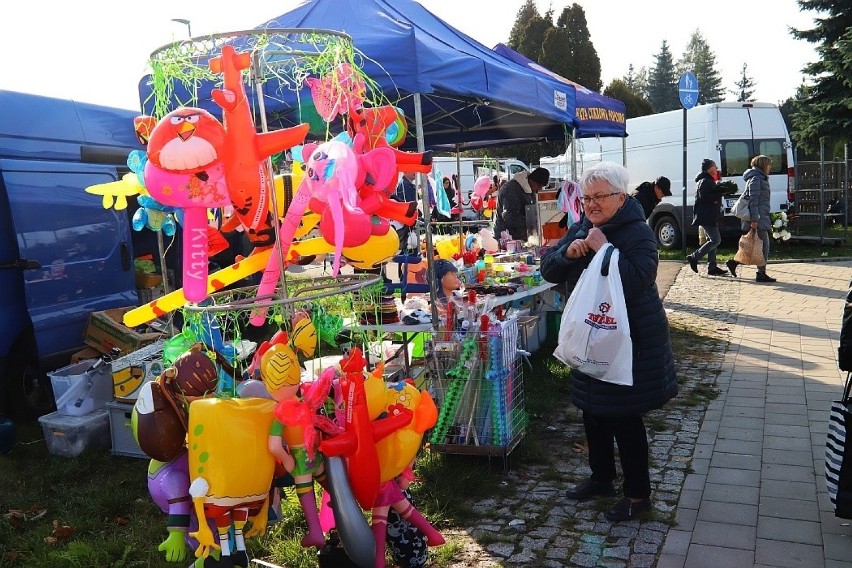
(231, 469)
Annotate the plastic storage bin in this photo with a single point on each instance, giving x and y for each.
(78, 390)
(120, 431)
(69, 436)
(529, 334)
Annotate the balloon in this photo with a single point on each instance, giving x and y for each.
(245, 150)
(481, 186)
(337, 92)
(184, 170)
(224, 436)
(397, 451)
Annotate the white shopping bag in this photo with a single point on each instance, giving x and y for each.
(594, 336)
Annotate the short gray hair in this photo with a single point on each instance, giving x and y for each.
(610, 172)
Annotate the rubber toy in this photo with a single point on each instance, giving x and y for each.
(357, 443)
(337, 92)
(154, 216)
(293, 436)
(246, 151)
(391, 496)
(231, 471)
(185, 170)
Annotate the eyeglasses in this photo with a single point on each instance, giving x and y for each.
(597, 198)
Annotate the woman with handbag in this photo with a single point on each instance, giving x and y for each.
(759, 194)
(612, 411)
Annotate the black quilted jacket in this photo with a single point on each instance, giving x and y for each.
(654, 381)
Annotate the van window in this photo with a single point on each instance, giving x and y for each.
(515, 168)
(737, 155)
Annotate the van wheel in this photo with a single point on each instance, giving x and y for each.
(29, 391)
(668, 233)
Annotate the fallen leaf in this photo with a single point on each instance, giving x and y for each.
(62, 532)
(121, 521)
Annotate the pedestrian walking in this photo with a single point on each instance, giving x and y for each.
(706, 213)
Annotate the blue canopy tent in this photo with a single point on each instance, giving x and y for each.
(467, 92)
(596, 114)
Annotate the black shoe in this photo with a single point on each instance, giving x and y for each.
(716, 271)
(762, 277)
(693, 263)
(732, 266)
(589, 489)
(626, 509)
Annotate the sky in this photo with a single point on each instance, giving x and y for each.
(97, 50)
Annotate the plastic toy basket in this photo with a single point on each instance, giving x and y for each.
(477, 382)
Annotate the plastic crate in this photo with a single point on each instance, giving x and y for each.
(70, 436)
(77, 390)
(120, 431)
(529, 333)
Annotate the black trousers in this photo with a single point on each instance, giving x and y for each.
(629, 433)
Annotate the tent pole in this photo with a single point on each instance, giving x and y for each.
(458, 190)
(573, 143)
(430, 254)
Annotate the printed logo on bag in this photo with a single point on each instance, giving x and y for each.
(600, 319)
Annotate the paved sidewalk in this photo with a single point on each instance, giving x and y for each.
(755, 494)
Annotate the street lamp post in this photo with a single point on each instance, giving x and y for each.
(186, 23)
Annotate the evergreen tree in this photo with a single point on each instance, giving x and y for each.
(825, 107)
(575, 58)
(745, 86)
(527, 12)
(662, 81)
(630, 78)
(531, 34)
(699, 59)
(636, 104)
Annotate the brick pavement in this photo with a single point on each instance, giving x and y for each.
(737, 482)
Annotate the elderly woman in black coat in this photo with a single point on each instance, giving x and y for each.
(613, 411)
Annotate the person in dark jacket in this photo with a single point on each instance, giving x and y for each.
(844, 351)
(613, 411)
(759, 196)
(650, 193)
(708, 207)
(512, 201)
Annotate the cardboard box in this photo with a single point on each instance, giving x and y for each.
(130, 372)
(105, 331)
(121, 431)
(85, 354)
(69, 436)
(146, 280)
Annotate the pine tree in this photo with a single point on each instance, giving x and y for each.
(662, 81)
(699, 59)
(531, 33)
(635, 103)
(578, 59)
(745, 86)
(824, 109)
(527, 12)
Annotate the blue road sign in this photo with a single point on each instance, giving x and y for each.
(687, 90)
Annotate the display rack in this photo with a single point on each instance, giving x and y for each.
(478, 384)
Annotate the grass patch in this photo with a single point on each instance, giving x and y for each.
(104, 499)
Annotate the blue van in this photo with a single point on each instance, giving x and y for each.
(62, 255)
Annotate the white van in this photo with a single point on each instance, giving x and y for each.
(729, 133)
(472, 169)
